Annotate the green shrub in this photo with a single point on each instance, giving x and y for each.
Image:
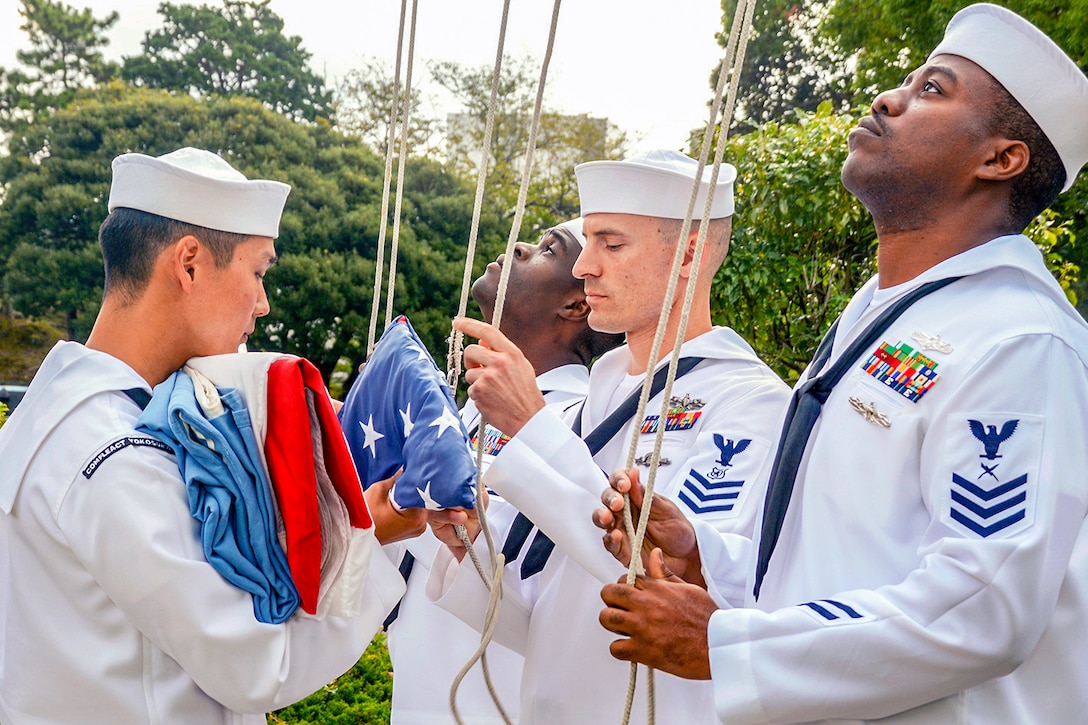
(802, 244)
(361, 696)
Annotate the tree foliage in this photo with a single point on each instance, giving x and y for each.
(802, 244)
(845, 51)
(65, 55)
(24, 344)
(890, 38)
(562, 141)
(45, 282)
(364, 104)
(786, 66)
(58, 176)
(361, 695)
(239, 49)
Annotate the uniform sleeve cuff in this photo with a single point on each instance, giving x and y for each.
(736, 696)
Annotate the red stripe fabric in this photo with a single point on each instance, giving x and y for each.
(288, 448)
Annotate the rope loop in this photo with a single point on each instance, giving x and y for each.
(454, 357)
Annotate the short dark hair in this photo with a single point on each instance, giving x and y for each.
(1041, 182)
(131, 241)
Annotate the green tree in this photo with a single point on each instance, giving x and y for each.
(436, 216)
(239, 49)
(57, 178)
(364, 102)
(890, 38)
(802, 53)
(43, 282)
(786, 66)
(304, 290)
(363, 694)
(23, 346)
(801, 244)
(562, 141)
(65, 55)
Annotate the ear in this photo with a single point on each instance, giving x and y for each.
(1008, 160)
(186, 256)
(689, 253)
(576, 309)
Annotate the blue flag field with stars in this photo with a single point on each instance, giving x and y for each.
(400, 412)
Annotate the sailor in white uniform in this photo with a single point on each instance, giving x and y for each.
(928, 563)
(109, 612)
(723, 413)
(545, 312)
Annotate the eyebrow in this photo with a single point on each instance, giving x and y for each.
(943, 70)
(562, 239)
(606, 232)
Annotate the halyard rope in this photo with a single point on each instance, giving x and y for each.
(731, 64)
(380, 256)
(730, 70)
(402, 163)
(497, 560)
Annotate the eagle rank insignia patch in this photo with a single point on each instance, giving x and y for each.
(717, 487)
(995, 465)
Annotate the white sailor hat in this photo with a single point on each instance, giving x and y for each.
(654, 183)
(1033, 69)
(574, 227)
(198, 187)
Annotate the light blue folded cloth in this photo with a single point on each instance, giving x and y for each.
(229, 493)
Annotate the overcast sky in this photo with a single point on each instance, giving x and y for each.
(643, 64)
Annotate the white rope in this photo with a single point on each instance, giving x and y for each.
(401, 164)
(456, 346)
(491, 620)
(380, 257)
(519, 210)
(731, 64)
(456, 340)
(453, 374)
(498, 561)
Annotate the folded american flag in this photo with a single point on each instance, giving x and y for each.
(400, 412)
